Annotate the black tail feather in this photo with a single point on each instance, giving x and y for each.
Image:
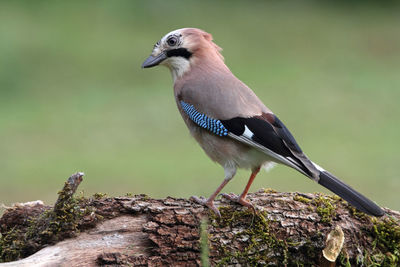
(349, 194)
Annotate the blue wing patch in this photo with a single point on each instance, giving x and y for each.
(213, 125)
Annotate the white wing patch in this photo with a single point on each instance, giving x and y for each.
(247, 133)
(319, 167)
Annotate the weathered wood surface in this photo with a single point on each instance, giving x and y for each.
(288, 229)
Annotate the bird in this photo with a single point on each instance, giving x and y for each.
(231, 124)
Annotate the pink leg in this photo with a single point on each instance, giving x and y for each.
(210, 201)
(242, 198)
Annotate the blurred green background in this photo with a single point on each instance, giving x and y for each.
(74, 98)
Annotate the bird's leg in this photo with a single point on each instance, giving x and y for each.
(210, 201)
(230, 171)
(242, 198)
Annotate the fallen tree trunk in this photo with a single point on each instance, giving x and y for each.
(288, 229)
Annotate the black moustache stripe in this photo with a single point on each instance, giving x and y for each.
(179, 52)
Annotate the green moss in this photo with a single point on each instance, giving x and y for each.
(386, 234)
(358, 214)
(302, 199)
(324, 205)
(145, 197)
(49, 227)
(325, 209)
(99, 195)
(10, 245)
(269, 190)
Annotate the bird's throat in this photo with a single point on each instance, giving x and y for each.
(178, 66)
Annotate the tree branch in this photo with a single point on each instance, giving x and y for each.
(288, 229)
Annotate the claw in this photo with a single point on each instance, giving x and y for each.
(240, 200)
(208, 203)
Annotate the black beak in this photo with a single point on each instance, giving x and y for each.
(154, 61)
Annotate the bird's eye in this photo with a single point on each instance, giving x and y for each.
(172, 41)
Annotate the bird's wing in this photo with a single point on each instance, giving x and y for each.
(266, 133)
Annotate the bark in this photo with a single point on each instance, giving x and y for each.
(288, 229)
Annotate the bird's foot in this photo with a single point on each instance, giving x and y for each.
(239, 199)
(206, 202)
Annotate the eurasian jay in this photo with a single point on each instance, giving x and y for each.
(230, 122)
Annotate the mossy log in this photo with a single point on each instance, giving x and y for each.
(288, 229)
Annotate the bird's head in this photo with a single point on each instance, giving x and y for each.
(180, 49)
